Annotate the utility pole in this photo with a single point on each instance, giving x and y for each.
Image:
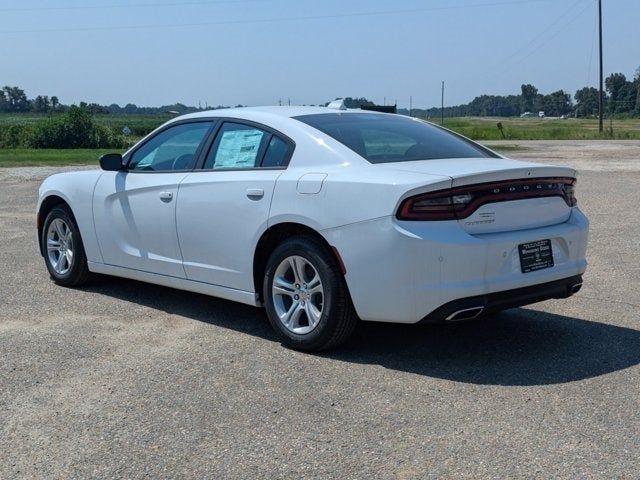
(601, 93)
(442, 106)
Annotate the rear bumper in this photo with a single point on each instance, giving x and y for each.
(480, 305)
(403, 272)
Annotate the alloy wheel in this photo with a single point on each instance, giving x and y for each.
(60, 246)
(298, 295)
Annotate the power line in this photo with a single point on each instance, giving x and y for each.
(125, 5)
(554, 35)
(540, 34)
(524, 56)
(281, 19)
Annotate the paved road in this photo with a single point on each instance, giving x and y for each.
(122, 379)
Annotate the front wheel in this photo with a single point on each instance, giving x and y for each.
(63, 250)
(306, 296)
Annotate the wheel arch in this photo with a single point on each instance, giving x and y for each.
(272, 237)
(46, 205)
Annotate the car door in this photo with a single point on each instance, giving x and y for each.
(134, 209)
(223, 207)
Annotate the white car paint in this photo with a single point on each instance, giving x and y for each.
(135, 221)
(199, 230)
(214, 246)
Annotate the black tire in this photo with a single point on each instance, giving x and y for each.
(78, 273)
(338, 317)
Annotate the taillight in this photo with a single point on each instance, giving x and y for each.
(570, 193)
(441, 205)
(460, 202)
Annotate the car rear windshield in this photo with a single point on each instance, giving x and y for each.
(393, 138)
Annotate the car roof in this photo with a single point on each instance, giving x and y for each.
(276, 111)
(282, 119)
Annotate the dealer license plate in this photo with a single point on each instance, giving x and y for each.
(535, 256)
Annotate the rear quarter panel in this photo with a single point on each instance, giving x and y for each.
(348, 194)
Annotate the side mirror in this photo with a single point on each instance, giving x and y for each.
(111, 162)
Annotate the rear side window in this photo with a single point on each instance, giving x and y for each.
(244, 146)
(277, 153)
(237, 146)
(393, 138)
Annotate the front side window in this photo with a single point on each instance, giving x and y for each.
(393, 138)
(172, 149)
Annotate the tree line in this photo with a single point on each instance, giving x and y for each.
(14, 100)
(622, 98)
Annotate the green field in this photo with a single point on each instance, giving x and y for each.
(137, 123)
(543, 128)
(476, 128)
(29, 157)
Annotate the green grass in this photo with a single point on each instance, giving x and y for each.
(543, 129)
(27, 157)
(105, 119)
(477, 128)
(19, 157)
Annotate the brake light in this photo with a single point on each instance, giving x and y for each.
(570, 193)
(460, 202)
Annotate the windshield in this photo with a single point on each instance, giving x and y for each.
(393, 138)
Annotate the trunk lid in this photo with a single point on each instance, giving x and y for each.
(499, 216)
(468, 171)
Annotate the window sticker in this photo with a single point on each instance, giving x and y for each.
(238, 149)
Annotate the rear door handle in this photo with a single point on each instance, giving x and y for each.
(255, 193)
(166, 196)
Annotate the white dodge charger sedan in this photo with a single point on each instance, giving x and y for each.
(323, 216)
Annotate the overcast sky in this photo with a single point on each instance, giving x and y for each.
(153, 52)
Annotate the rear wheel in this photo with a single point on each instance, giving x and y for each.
(63, 250)
(306, 296)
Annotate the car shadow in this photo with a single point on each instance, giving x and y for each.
(516, 347)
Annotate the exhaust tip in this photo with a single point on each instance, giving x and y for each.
(465, 314)
(575, 288)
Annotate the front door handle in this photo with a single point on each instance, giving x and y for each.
(166, 196)
(255, 193)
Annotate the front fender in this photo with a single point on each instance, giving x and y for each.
(76, 190)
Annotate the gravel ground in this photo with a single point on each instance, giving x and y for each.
(592, 155)
(37, 173)
(126, 380)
